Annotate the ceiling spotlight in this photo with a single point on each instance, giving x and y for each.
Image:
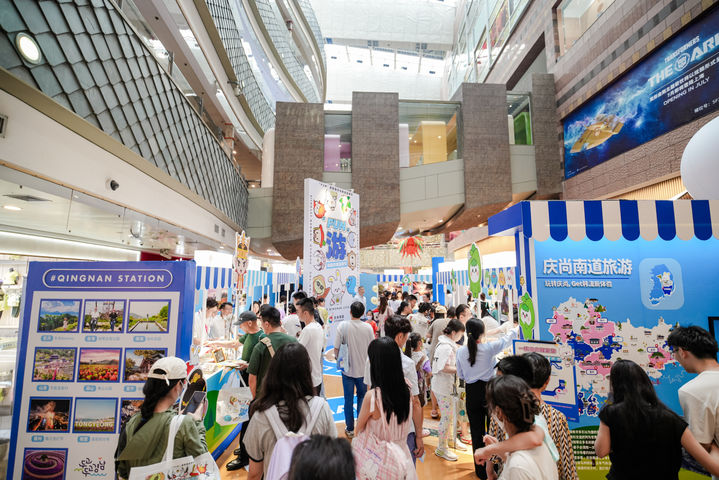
(234, 151)
(12, 207)
(439, 136)
(28, 48)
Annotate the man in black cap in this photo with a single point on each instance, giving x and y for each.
(253, 333)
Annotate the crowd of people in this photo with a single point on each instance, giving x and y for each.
(406, 354)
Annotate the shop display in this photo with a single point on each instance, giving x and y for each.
(609, 280)
(90, 333)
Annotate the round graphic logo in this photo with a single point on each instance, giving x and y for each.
(682, 61)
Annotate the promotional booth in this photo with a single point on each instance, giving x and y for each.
(603, 280)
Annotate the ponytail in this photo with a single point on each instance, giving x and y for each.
(154, 390)
(475, 330)
(412, 342)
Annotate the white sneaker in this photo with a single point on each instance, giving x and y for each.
(458, 445)
(446, 454)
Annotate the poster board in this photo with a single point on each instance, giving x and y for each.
(561, 392)
(88, 336)
(331, 246)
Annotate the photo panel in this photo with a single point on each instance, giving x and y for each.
(99, 364)
(59, 315)
(103, 316)
(44, 464)
(129, 407)
(148, 316)
(95, 415)
(54, 364)
(138, 362)
(49, 414)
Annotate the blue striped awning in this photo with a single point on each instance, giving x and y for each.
(255, 278)
(610, 219)
(282, 278)
(413, 277)
(506, 280)
(445, 278)
(213, 277)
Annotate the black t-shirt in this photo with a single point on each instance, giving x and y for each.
(653, 450)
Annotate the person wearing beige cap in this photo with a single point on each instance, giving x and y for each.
(143, 440)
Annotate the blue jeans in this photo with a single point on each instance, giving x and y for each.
(348, 386)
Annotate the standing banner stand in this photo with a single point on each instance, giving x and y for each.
(79, 381)
(602, 280)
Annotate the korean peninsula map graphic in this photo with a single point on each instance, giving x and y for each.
(597, 342)
(662, 283)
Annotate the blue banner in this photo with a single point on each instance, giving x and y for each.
(674, 85)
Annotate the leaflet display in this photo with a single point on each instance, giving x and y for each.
(89, 335)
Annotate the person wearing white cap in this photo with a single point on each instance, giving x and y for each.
(143, 440)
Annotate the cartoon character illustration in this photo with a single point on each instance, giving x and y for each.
(318, 236)
(667, 283)
(319, 209)
(351, 285)
(353, 218)
(319, 260)
(501, 277)
(526, 316)
(345, 204)
(337, 288)
(318, 284)
(352, 260)
(474, 264)
(332, 203)
(352, 240)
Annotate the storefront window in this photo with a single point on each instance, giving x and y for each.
(431, 132)
(520, 119)
(338, 141)
(481, 56)
(574, 17)
(499, 31)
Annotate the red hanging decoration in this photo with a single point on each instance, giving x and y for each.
(412, 247)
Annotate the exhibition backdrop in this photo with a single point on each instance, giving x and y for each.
(609, 280)
(674, 85)
(89, 334)
(331, 246)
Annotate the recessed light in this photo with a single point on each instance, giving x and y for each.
(12, 207)
(28, 48)
(439, 136)
(234, 151)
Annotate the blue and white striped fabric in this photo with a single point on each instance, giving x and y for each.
(615, 219)
(445, 278)
(255, 278)
(413, 277)
(213, 277)
(282, 278)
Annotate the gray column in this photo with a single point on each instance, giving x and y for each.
(299, 154)
(484, 146)
(375, 164)
(545, 136)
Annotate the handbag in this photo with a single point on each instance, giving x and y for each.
(202, 467)
(343, 356)
(233, 401)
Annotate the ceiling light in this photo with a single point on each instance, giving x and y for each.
(234, 151)
(28, 48)
(12, 207)
(439, 136)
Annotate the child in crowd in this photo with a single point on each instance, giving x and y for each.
(444, 385)
(415, 350)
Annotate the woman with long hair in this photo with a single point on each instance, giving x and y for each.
(404, 309)
(443, 385)
(287, 391)
(388, 414)
(514, 406)
(475, 365)
(382, 313)
(143, 440)
(641, 435)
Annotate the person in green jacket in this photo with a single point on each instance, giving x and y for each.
(143, 440)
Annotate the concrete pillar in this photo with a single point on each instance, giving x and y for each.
(299, 154)
(545, 125)
(375, 164)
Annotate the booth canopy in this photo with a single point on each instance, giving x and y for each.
(610, 219)
(411, 277)
(212, 278)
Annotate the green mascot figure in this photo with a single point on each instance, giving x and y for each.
(526, 316)
(474, 265)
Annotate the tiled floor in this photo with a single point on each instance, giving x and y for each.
(433, 467)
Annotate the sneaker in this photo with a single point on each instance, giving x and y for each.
(349, 433)
(446, 454)
(458, 445)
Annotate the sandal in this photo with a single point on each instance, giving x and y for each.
(465, 440)
(434, 414)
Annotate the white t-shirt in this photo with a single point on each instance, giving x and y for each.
(420, 324)
(393, 305)
(313, 338)
(357, 335)
(699, 399)
(534, 464)
(292, 325)
(489, 323)
(216, 328)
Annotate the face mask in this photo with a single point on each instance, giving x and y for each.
(498, 421)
